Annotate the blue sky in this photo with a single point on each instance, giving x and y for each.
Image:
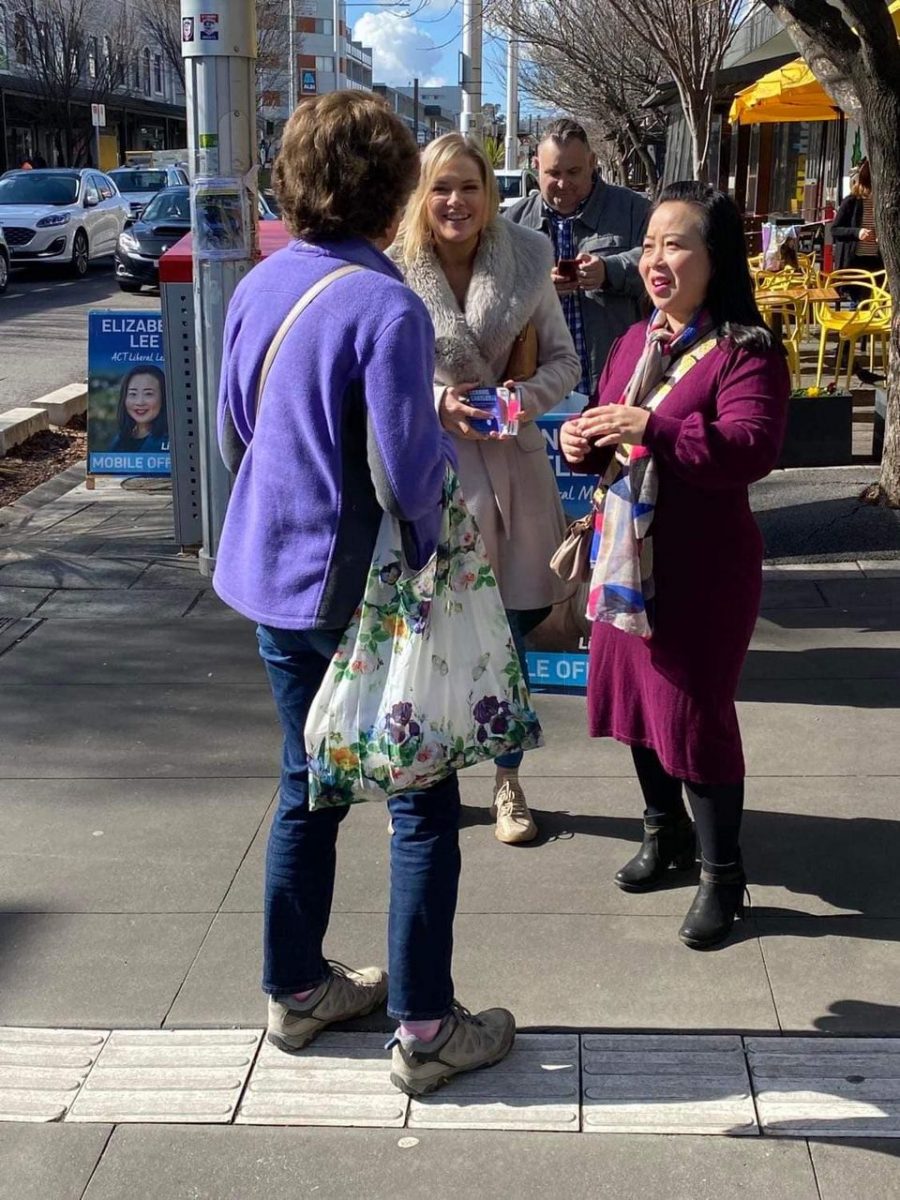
(424, 38)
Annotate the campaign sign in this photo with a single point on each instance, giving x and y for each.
(557, 654)
(128, 431)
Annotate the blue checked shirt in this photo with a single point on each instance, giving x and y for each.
(562, 233)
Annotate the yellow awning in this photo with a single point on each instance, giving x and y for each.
(789, 93)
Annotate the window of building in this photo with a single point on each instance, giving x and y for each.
(92, 53)
(146, 72)
(323, 26)
(157, 74)
(20, 37)
(325, 62)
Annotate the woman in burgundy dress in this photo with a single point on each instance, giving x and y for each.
(692, 406)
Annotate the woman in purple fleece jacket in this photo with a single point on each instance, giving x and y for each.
(345, 430)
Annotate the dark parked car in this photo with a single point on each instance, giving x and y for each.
(165, 220)
(4, 262)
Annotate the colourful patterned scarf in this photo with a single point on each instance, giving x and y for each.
(621, 589)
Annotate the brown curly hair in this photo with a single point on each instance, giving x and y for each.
(347, 166)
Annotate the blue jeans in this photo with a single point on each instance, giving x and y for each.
(521, 623)
(301, 859)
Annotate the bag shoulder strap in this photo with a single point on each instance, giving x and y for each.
(285, 327)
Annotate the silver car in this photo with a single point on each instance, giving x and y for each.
(140, 184)
(4, 262)
(61, 216)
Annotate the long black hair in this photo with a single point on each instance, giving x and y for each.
(730, 301)
(125, 423)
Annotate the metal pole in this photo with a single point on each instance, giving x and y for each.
(292, 51)
(512, 105)
(470, 117)
(338, 40)
(416, 108)
(219, 49)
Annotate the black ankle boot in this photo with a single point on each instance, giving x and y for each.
(668, 842)
(719, 899)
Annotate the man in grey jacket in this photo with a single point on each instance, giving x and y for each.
(598, 225)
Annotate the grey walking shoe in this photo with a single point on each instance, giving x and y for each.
(465, 1042)
(344, 994)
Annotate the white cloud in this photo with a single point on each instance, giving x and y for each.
(401, 50)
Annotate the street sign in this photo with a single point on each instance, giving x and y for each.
(308, 83)
(98, 115)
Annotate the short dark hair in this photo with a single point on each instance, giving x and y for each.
(730, 300)
(125, 423)
(564, 130)
(347, 165)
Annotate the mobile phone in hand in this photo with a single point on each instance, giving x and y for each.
(567, 269)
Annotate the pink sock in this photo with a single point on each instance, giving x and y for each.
(423, 1031)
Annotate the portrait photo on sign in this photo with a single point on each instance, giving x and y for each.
(128, 430)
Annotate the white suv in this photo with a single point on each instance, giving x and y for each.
(140, 184)
(515, 186)
(61, 216)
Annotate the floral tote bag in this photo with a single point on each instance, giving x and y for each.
(426, 679)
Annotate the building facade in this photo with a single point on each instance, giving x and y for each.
(45, 114)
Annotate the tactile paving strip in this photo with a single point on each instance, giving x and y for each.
(179, 1076)
(828, 1087)
(342, 1079)
(41, 1070)
(680, 1083)
(534, 1088)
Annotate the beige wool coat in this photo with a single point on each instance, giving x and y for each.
(508, 485)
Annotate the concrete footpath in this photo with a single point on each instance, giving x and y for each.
(138, 768)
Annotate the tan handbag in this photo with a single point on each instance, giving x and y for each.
(523, 358)
(571, 559)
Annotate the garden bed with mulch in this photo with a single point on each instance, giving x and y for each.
(41, 457)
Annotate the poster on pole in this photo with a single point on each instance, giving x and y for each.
(221, 227)
(557, 653)
(128, 429)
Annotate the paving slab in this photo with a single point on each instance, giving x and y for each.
(209, 607)
(791, 593)
(841, 731)
(41, 1070)
(169, 650)
(827, 1087)
(122, 731)
(848, 821)
(849, 1169)
(678, 1084)
(126, 845)
(59, 569)
(833, 974)
(21, 601)
(162, 1076)
(344, 1079)
(817, 653)
(13, 631)
(536, 1088)
(175, 572)
(879, 592)
(49, 1162)
(244, 1163)
(94, 970)
(117, 604)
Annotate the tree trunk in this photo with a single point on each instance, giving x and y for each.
(640, 149)
(881, 124)
(698, 114)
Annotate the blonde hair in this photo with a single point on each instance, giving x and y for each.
(415, 231)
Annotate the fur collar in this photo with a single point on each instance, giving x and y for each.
(510, 270)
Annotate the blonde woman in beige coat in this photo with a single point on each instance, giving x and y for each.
(483, 280)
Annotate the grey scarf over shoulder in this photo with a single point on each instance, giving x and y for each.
(511, 268)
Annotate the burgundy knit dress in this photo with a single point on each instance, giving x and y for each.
(719, 429)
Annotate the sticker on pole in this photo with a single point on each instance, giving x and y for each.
(220, 221)
(187, 29)
(128, 428)
(209, 27)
